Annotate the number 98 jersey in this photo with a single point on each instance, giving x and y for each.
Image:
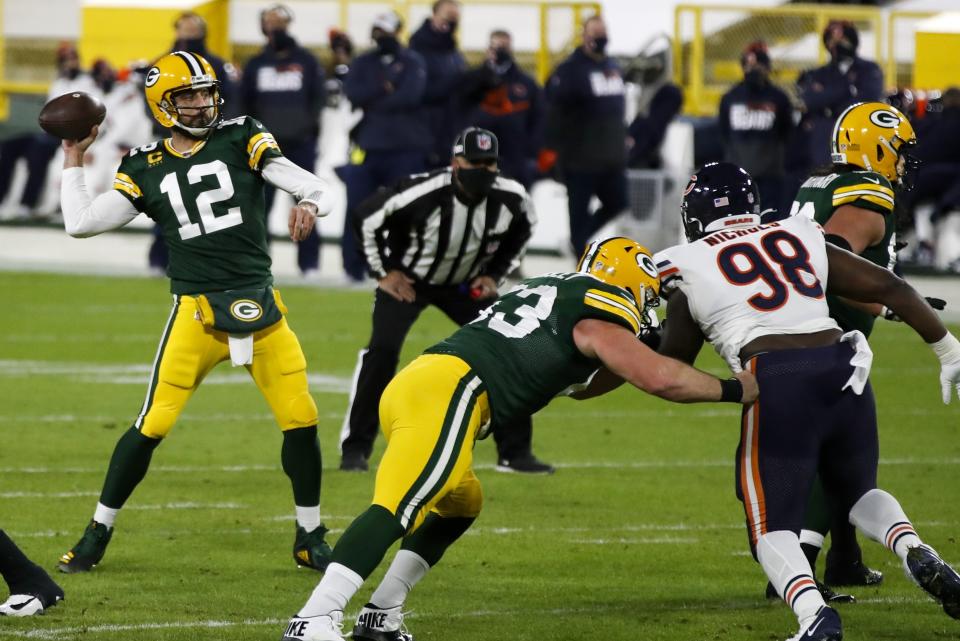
(750, 282)
(522, 346)
(209, 205)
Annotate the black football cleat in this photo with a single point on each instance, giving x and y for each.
(851, 574)
(379, 624)
(32, 595)
(353, 462)
(526, 464)
(88, 551)
(310, 550)
(937, 579)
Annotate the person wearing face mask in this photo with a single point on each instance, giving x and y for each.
(446, 238)
(392, 139)
(826, 91)
(39, 148)
(191, 35)
(435, 40)
(586, 127)
(755, 119)
(125, 126)
(506, 100)
(283, 87)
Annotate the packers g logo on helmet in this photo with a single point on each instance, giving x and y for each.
(627, 264)
(873, 136)
(176, 72)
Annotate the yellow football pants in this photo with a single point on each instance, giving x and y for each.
(189, 350)
(431, 413)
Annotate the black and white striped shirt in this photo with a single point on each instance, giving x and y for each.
(422, 228)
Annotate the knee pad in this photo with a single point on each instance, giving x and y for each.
(301, 411)
(466, 500)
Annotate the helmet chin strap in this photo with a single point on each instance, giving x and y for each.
(195, 132)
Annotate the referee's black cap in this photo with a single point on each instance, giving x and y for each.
(476, 144)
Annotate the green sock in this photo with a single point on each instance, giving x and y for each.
(128, 465)
(300, 457)
(363, 544)
(436, 534)
(818, 514)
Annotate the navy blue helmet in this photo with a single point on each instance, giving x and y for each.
(719, 195)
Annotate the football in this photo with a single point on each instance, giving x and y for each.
(72, 115)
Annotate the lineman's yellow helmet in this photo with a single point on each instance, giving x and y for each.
(625, 263)
(176, 72)
(874, 136)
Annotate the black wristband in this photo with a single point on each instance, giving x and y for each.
(731, 390)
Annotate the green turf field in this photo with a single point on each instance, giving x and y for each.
(637, 537)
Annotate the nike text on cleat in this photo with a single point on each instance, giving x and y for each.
(938, 579)
(325, 627)
(88, 551)
(310, 550)
(825, 627)
(380, 624)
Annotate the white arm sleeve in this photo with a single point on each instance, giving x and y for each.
(82, 217)
(300, 183)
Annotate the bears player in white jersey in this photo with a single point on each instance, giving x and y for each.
(757, 293)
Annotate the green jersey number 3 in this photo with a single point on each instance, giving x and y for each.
(525, 315)
(210, 222)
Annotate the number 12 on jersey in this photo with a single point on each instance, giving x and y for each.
(205, 201)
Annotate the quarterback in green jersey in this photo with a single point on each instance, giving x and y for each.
(574, 334)
(204, 186)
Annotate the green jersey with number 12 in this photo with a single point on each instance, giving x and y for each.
(209, 205)
(522, 346)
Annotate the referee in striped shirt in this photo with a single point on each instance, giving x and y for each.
(446, 238)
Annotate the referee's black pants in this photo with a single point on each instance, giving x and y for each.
(392, 320)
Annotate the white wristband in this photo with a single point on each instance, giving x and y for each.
(947, 349)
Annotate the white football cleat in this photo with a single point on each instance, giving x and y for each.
(324, 627)
(21, 605)
(380, 624)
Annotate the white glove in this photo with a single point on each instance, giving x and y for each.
(947, 350)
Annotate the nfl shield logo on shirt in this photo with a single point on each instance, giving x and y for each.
(483, 142)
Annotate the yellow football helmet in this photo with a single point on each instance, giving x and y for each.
(874, 136)
(176, 72)
(625, 263)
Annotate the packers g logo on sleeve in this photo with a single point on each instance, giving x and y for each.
(246, 310)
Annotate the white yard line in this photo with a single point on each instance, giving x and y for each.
(139, 374)
(662, 540)
(581, 465)
(593, 610)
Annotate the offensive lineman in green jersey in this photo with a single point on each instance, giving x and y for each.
(546, 336)
(854, 203)
(204, 187)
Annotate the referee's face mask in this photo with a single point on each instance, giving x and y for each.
(474, 179)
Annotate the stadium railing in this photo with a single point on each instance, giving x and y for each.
(708, 41)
